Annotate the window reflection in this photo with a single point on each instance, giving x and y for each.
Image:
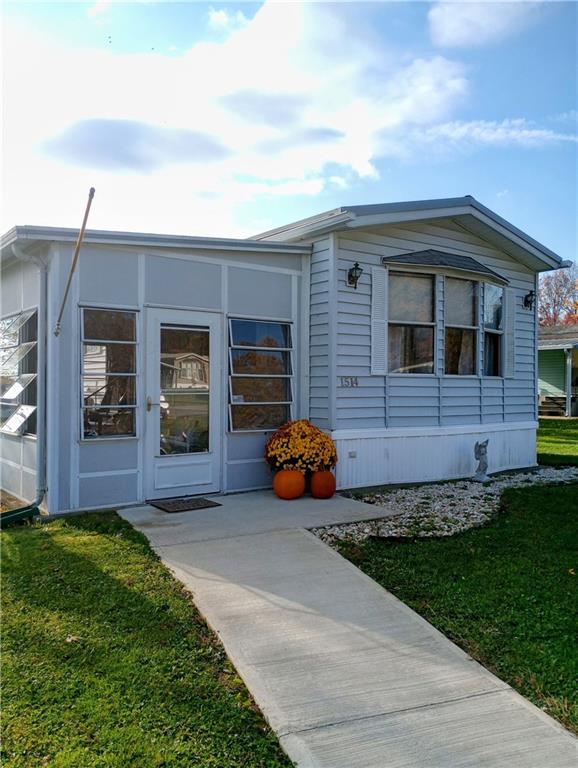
(185, 381)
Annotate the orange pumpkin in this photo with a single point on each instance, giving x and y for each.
(322, 484)
(289, 484)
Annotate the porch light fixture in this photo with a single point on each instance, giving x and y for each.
(354, 274)
(529, 299)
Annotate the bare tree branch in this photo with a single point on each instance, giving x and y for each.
(558, 299)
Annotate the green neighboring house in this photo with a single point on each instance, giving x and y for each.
(558, 370)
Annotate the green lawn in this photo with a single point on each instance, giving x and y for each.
(107, 663)
(507, 593)
(558, 441)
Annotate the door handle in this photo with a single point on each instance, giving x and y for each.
(150, 403)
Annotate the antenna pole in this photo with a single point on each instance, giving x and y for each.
(74, 261)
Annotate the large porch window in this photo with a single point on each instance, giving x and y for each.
(19, 362)
(260, 374)
(473, 317)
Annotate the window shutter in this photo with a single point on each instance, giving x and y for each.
(378, 321)
(509, 333)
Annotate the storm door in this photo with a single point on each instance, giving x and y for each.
(182, 403)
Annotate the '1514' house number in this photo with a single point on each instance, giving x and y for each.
(348, 381)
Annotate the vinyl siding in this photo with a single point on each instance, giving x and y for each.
(19, 290)
(236, 285)
(552, 372)
(426, 400)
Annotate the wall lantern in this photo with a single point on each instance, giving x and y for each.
(354, 274)
(529, 299)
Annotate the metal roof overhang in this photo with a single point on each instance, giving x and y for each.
(448, 263)
(466, 212)
(562, 345)
(31, 238)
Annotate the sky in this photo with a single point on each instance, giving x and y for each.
(230, 119)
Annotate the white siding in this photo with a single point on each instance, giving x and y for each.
(415, 401)
(414, 455)
(20, 290)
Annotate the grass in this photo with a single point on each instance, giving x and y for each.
(8, 502)
(107, 663)
(507, 593)
(558, 441)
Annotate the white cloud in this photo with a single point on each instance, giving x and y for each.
(571, 116)
(272, 109)
(223, 20)
(472, 23)
(491, 133)
(296, 113)
(98, 9)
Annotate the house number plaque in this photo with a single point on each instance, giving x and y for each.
(348, 381)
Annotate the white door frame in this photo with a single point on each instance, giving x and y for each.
(190, 473)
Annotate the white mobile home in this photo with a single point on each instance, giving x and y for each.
(408, 331)
(558, 370)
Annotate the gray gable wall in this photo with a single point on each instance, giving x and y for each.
(341, 338)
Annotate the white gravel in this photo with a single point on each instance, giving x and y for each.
(440, 509)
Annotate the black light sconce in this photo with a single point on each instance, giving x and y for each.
(354, 274)
(529, 300)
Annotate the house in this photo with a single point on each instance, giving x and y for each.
(406, 330)
(558, 370)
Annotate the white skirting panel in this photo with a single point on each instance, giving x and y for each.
(380, 457)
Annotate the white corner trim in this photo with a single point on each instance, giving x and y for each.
(466, 429)
(332, 312)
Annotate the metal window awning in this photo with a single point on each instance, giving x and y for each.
(441, 260)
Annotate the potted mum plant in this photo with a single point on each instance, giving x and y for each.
(299, 449)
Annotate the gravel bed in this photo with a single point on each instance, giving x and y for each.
(441, 509)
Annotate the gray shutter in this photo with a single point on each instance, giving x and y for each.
(378, 321)
(509, 333)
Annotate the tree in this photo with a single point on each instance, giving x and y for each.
(558, 299)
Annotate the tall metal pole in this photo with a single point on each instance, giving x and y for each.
(74, 261)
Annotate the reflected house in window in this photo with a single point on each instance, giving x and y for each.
(558, 370)
(169, 378)
(185, 370)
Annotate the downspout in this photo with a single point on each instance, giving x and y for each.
(568, 378)
(31, 509)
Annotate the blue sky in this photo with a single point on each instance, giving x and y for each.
(228, 119)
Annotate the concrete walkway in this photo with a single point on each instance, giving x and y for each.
(346, 674)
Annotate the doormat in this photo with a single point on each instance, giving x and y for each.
(184, 504)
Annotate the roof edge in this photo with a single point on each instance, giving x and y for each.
(31, 233)
(330, 220)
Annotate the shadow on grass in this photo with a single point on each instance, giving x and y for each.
(106, 661)
(558, 459)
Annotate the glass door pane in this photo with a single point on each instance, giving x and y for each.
(184, 391)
